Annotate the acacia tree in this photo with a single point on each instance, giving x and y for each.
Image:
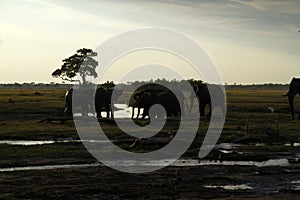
(81, 63)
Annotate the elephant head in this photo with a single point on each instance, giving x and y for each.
(143, 99)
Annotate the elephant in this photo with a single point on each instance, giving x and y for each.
(82, 100)
(203, 95)
(137, 104)
(103, 97)
(294, 89)
(172, 105)
(166, 98)
(144, 99)
(104, 101)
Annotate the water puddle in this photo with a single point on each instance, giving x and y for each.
(194, 162)
(292, 145)
(295, 185)
(45, 167)
(227, 146)
(44, 142)
(122, 111)
(178, 163)
(26, 142)
(230, 187)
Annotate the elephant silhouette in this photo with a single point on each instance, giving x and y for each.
(83, 101)
(294, 89)
(145, 99)
(103, 101)
(203, 95)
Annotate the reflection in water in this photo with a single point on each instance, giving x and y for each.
(43, 142)
(122, 111)
(45, 167)
(292, 144)
(26, 142)
(296, 185)
(194, 162)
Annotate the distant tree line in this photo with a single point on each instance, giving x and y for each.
(152, 83)
(267, 86)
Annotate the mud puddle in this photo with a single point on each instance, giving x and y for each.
(178, 163)
(44, 142)
(230, 187)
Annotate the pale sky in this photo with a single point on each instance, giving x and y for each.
(250, 41)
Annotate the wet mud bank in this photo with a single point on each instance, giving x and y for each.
(173, 182)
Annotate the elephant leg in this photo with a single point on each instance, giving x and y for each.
(98, 112)
(112, 113)
(291, 102)
(145, 112)
(132, 115)
(107, 111)
(68, 111)
(202, 109)
(209, 114)
(138, 113)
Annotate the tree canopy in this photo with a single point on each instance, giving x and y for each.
(81, 63)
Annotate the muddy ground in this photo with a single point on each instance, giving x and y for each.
(205, 182)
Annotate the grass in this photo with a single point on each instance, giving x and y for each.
(248, 120)
(71, 153)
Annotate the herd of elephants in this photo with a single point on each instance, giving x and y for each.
(173, 101)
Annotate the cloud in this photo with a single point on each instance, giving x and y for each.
(292, 28)
(62, 26)
(255, 5)
(274, 6)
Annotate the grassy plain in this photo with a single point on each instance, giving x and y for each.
(249, 121)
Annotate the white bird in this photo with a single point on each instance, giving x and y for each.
(271, 109)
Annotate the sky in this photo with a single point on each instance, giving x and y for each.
(250, 41)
